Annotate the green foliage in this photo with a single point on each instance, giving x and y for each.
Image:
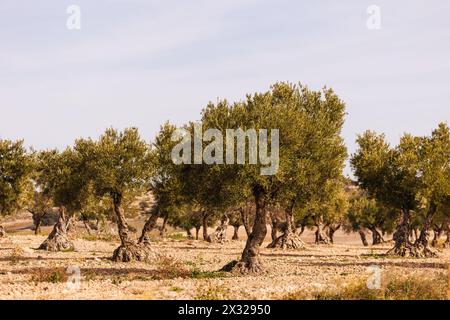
(415, 175)
(368, 213)
(15, 170)
(118, 162)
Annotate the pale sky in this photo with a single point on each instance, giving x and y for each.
(140, 63)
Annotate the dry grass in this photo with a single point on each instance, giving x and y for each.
(55, 275)
(394, 287)
(16, 254)
(207, 291)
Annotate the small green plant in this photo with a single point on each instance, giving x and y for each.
(198, 274)
(176, 236)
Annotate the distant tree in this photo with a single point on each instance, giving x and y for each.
(366, 214)
(15, 170)
(411, 177)
(39, 205)
(434, 172)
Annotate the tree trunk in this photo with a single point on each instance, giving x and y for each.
(205, 226)
(245, 221)
(250, 261)
(437, 232)
(362, 234)
(86, 224)
(331, 230)
(321, 236)
(376, 236)
(197, 231)
(289, 239)
(189, 233)
(2, 231)
(37, 218)
(162, 231)
(302, 229)
(274, 230)
(402, 246)
(129, 250)
(447, 241)
(149, 225)
(58, 240)
(421, 245)
(220, 235)
(236, 232)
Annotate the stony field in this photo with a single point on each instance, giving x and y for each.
(188, 269)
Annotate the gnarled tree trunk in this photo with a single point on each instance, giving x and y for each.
(421, 246)
(149, 225)
(402, 246)
(376, 236)
(331, 230)
(220, 235)
(321, 235)
(363, 237)
(289, 239)
(250, 261)
(58, 239)
(128, 250)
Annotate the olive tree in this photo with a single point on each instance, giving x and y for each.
(62, 177)
(289, 109)
(117, 164)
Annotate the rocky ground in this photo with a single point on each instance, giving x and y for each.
(187, 269)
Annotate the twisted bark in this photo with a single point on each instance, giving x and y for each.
(221, 231)
(149, 225)
(250, 260)
(376, 236)
(289, 239)
(58, 239)
(402, 246)
(128, 250)
(421, 246)
(321, 236)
